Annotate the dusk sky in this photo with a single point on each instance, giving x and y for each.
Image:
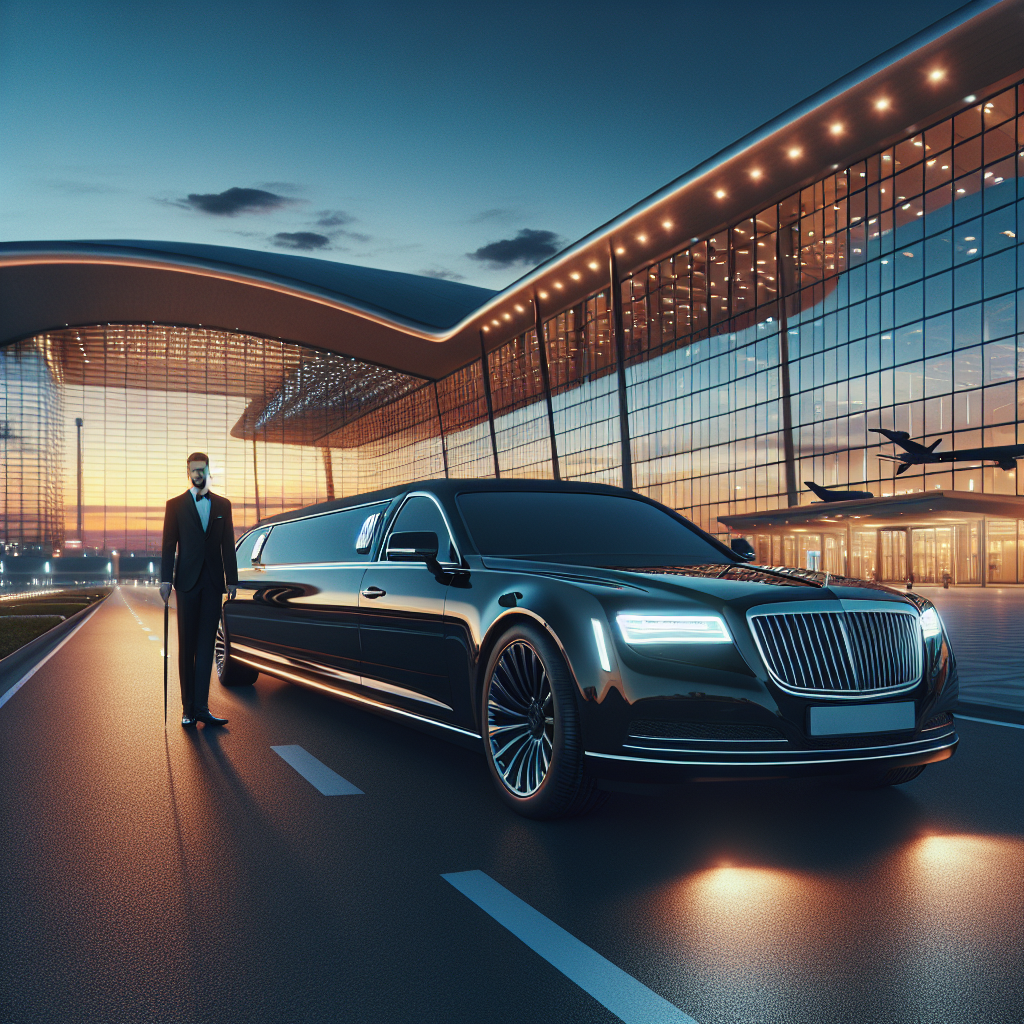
(464, 141)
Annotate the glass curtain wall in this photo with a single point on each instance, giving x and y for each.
(885, 294)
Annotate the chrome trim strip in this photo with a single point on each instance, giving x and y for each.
(358, 698)
(345, 677)
(797, 752)
(759, 764)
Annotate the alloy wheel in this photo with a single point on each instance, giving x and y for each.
(520, 719)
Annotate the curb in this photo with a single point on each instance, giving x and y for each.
(16, 664)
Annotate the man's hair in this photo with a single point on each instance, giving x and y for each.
(197, 457)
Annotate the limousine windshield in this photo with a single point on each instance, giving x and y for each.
(582, 529)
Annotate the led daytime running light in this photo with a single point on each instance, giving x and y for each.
(931, 624)
(673, 629)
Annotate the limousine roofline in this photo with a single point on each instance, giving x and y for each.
(448, 488)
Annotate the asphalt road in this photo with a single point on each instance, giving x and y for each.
(198, 876)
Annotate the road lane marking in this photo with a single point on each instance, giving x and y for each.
(5, 697)
(315, 772)
(988, 721)
(612, 987)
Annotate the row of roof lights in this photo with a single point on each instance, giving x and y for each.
(883, 103)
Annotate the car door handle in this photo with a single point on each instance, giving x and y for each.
(373, 592)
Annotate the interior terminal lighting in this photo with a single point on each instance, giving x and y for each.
(970, 99)
(795, 152)
(836, 129)
(756, 174)
(575, 276)
(720, 194)
(508, 316)
(641, 238)
(882, 104)
(594, 266)
(519, 309)
(937, 75)
(543, 295)
(620, 250)
(667, 225)
(497, 323)
(558, 285)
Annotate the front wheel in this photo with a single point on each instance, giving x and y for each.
(531, 728)
(229, 671)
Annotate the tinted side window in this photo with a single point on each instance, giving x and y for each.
(244, 551)
(327, 538)
(421, 515)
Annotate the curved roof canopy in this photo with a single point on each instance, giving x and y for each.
(429, 327)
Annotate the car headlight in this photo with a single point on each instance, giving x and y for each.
(931, 624)
(673, 629)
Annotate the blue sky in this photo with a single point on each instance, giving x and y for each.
(406, 136)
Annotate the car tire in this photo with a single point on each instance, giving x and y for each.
(880, 778)
(229, 671)
(531, 730)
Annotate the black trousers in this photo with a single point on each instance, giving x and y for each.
(198, 616)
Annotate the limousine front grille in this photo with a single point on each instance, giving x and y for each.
(840, 652)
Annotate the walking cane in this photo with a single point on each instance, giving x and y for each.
(165, 659)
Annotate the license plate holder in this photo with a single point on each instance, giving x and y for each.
(850, 720)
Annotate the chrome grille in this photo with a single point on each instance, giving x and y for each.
(840, 652)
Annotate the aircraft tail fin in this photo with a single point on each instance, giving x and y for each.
(935, 444)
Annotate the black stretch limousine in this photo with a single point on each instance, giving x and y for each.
(586, 637)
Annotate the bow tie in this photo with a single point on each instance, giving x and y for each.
(200, 497)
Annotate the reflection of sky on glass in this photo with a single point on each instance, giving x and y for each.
(132, 462)
(405, 136)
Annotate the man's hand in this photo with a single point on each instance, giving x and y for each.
(231, 592)
(165, 591)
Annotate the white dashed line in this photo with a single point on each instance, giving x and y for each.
(988, 721)
(315, 772)
(612, 987)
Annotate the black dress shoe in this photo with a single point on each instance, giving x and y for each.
(209, 719)
(187, 720)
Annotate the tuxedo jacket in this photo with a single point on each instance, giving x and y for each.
(215, 547)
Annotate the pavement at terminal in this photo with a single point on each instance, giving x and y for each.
(204, 875)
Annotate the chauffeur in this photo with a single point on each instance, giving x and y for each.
(198, 524)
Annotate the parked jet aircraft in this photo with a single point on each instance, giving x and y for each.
(916, 454)
(831, 494)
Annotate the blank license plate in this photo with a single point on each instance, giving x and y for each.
(842, 721)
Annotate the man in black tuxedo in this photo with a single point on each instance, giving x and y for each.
(198, 523)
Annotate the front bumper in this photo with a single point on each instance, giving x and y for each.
(663, 761)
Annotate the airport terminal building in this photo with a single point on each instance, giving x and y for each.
(856, 263)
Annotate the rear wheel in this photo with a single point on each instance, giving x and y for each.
(531, 728)
(229, 671)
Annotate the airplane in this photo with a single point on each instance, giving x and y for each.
(916, 454)
(831, 494)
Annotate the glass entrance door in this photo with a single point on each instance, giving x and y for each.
(893, 545)
(932, 554)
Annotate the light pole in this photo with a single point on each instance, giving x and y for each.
(79, 423)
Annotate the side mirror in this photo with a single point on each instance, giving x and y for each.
(412, 547)
(744, 549)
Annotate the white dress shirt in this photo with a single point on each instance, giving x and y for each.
(202, 507)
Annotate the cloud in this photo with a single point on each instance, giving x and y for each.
(527, 249)
(233, 201)
(333, 218)
(498, 213)
(444, 275)
(305, 240)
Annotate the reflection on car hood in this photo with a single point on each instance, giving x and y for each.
(772, 575)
